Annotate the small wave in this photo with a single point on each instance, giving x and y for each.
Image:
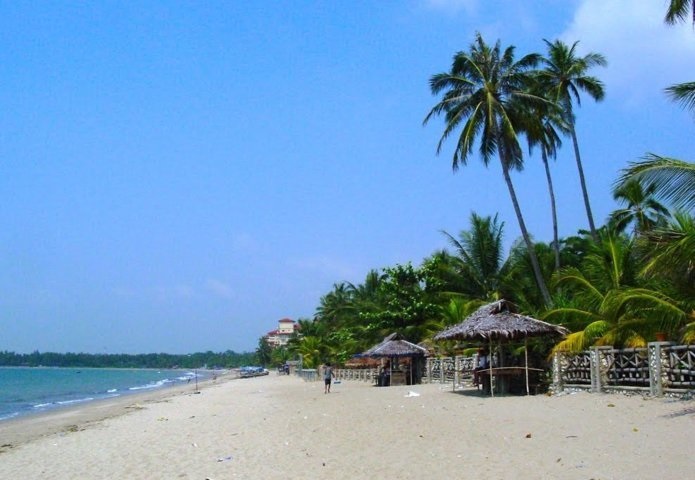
(151, 385)
(43, 405)
(112, 390)
(8, 416)
(78, 400)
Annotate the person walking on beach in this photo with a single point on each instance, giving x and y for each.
(327, 377)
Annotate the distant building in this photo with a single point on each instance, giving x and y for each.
(280, 337)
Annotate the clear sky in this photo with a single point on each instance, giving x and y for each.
(178, 176)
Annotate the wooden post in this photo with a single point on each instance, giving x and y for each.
(526, 363)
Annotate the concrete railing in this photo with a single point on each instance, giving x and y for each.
(357, 374)
(659, 368)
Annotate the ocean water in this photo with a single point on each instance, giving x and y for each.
(25, 391)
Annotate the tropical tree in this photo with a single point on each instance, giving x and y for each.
(668, 178)
(517, 283)
(544, 133)
(409, 303)
(313, 351)
(668, 253)
(608, 304)
(263, 352)
(487, 93)
(565, 75)
(641, 209)
(479, 258)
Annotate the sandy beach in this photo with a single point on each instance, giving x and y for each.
(282, 427)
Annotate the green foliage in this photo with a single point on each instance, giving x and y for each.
(263, 352)
(228, 359)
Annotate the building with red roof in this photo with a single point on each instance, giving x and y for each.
(281, 335)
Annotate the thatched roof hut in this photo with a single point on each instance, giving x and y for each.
(394, 346)
(499, 321)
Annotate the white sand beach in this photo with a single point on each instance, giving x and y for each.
(282, 427)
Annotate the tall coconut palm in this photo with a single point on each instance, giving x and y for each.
(544, 132)
(641, 209)
(678, 11)
(486, 91)
(566, 75)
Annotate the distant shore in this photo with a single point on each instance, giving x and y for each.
(282, 427)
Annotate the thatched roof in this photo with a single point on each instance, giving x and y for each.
(498, 320)
(394, 346)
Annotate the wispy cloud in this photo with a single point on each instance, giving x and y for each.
(643, 53)
(219, 288)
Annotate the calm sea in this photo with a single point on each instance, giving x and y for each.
(31, 390)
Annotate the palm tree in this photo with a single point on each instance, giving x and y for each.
(669, 253)
(672, 180)
(641, 208)
(684, 94)
(566, 75)
(478, 259)
(678, 11)
(608, 304)
(487, 92)
(544, 133)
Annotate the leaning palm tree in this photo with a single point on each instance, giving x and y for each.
(486, 91)
(566, 75)
(544, 131)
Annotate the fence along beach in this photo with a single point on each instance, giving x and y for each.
(280, 426)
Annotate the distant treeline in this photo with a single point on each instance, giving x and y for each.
(228, 359)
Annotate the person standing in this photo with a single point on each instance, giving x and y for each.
(327, 377)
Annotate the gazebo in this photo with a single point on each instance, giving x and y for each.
(394, 347)
(498, 321)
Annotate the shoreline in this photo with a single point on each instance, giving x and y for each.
(281, 427)
(28, 427)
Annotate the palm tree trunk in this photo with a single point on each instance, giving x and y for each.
(592, 228)
(553, 209)
(527, 239)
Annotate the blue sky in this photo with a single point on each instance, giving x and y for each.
(177, 176)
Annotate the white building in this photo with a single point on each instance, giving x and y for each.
(280, 336)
